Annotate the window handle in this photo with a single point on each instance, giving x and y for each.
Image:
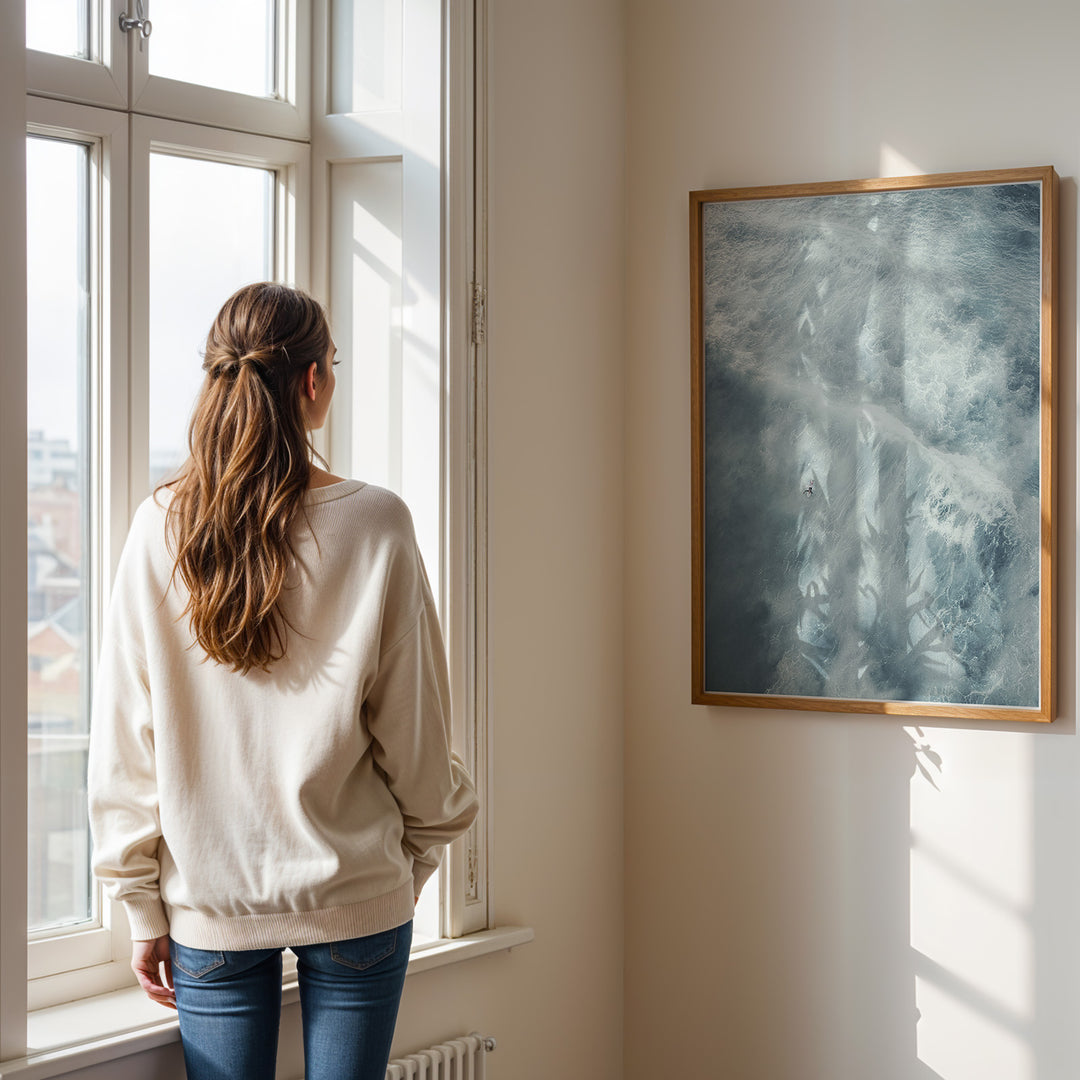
(142, 24)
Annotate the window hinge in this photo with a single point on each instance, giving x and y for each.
(479, 313)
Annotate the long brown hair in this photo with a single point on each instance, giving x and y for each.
(242, 488)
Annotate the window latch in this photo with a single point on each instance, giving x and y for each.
(142, 24)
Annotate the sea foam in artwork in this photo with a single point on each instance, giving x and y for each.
(871, 433)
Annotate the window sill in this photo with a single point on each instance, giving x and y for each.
(64, 1038)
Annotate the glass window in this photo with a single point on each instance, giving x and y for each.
(58, 502)
(58, 26)
(211, 231)
(229, 46)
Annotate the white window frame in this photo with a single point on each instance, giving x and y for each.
(82, 961)
(101, 79)
(287, 116)
(105, 84)
(94, 960)
(288, 159)
(91, 960)
(106, 133)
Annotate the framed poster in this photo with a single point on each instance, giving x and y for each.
(873, 445)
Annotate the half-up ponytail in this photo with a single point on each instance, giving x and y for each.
(236, 500)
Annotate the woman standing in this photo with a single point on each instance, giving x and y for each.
(270, 760)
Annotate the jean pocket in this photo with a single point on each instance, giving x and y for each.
(364, 952)
(195, 962)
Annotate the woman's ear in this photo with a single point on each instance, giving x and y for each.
(309, 380)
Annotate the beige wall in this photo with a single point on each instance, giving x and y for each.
(800, 900)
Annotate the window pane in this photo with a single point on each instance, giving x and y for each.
(211, 231)
(228, 46)
(58, 26)
(58, 501)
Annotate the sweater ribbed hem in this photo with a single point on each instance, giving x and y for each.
(282, 929)
(146, 918)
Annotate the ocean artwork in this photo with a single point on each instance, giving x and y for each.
(871, 418)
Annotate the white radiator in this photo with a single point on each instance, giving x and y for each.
(457, 1059)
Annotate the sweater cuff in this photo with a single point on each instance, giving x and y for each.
(146, 918)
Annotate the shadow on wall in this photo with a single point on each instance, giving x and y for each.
(944, 912)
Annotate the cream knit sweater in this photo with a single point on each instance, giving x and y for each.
(304, 805)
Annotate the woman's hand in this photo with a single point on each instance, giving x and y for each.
(153, 968)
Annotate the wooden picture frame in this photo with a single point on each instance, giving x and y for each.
(874, 468)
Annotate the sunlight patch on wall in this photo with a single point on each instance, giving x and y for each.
(893, 163)
(971, 901)
(962, 1043)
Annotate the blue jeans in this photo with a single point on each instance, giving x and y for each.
(230, 1007)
